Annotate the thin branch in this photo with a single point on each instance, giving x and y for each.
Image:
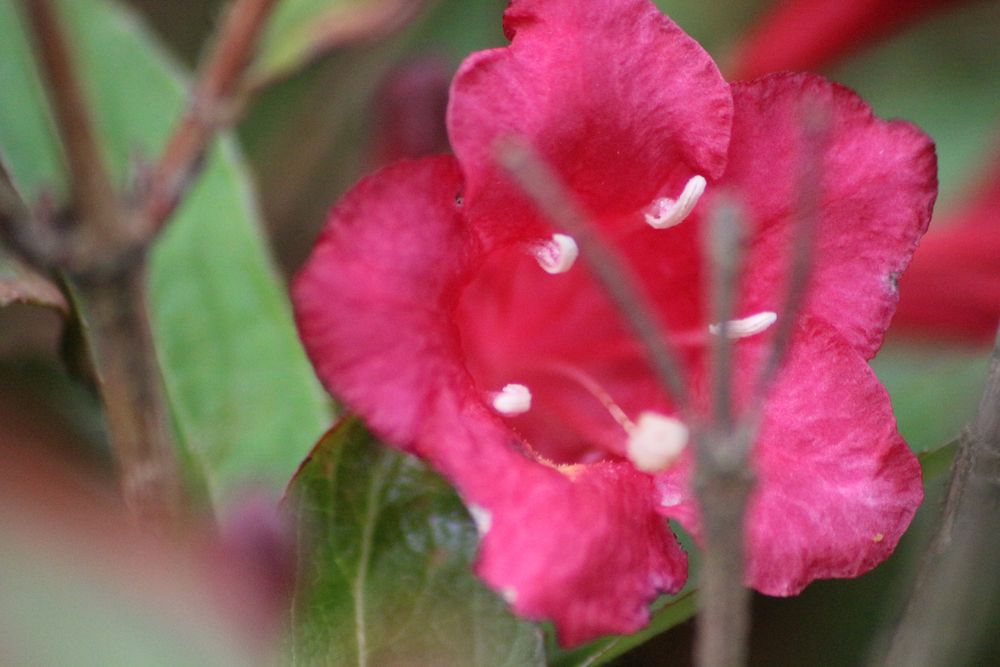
(954, 595)
(109, 291)
(92, 191)
(545, 189)
(210, 108)
(724, 251)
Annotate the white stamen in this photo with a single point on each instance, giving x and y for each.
(482, 517)
(748, 326)
(558, 254)
(666, 212)
(509, 594)
(513, 399)
(656, 441)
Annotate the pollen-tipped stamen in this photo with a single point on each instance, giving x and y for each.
(665, 212)
(747, 326)
(513, 399)
(656, 441)
(558, 254)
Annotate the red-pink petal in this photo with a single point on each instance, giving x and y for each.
(612, 93)
(836, 484)
(375, 305)
(808, 34)
(879, 186)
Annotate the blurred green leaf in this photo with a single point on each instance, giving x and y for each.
(385, 567)
(936, 462)
(934, 387)
(62, 606)
(302, 30)
(244, 399)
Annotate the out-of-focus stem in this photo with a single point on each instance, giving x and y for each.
(211, 107)
(135, 404)
(110, 287)
(723, 480)
(104, 256)
(92, 192)
(956, 590)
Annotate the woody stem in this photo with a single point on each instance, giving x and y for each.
(103, 256)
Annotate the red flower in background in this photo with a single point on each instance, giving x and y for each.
(809, 34)
(426, 309)
(953, 286)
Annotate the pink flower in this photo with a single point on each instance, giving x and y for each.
(426, 309)
(808, 34)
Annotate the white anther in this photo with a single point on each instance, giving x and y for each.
(558, 254)
(509, 594)
(656, 441)
(513, 399)
(482, 517)
(748, 326)
(666, 212)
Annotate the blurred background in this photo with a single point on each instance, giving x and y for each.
(382, 94)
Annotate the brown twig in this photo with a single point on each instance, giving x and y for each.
(210, 108)
(109, 291)
(955, 592)
(545, 189)
(92, 191)
(104, 258)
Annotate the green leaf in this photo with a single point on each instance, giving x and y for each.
(68, 602)
(936, 462)
(302, 30)
(385, 572)
(244, 398)
(935, 388)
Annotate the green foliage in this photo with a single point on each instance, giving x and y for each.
(934, 388)
(302, 30)
(385, 567)
(244, 398)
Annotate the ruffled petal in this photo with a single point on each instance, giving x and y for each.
(375, 305)
(879, 186)
(836, 484)
(588, 550)
(613, 94)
